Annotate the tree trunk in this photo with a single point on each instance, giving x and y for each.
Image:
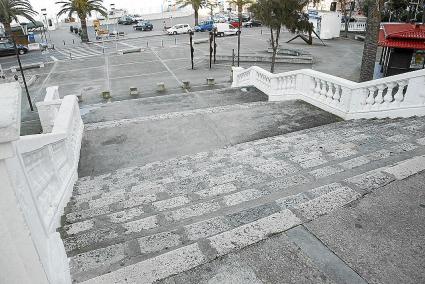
(84, 35)
(310, 37)
(7, 29)
(423, 11)
(196, 17)
(344, 6)
(371, 40)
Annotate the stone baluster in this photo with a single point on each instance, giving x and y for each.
(337, 95)
(388, 98)
(379, 99)
(371, 97)
(330, 93)
(316, 90)
(399, 96)
(323, 90)
(293, 82)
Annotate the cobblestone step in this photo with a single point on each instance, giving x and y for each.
(198, 207)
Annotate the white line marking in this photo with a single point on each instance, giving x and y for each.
(54, 58)
(126, 44)
(165, 65)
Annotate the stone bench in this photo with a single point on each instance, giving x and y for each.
(129, 50)
(14, 69)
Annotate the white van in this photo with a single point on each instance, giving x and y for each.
(223, 29)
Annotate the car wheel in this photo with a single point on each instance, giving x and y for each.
(21, 51)
(221, 34)
(175, 33)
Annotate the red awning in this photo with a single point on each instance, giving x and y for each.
(400, 43)
(409, 36)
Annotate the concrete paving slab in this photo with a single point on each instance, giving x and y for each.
(274, 260)
(381, 236)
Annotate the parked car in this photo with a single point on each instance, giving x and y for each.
(252, 23)
(143, 26)
(204, 26)
(179, 29)
(127, 20)
(7, 48)
(234, 22)
(223, 29)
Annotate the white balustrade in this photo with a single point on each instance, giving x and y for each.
(396, 96)
(41, 170)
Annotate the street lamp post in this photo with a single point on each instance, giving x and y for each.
(22, 74)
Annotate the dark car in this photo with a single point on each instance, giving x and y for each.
(7, 48)
(252, 23)
(127, 20)
(143, 26)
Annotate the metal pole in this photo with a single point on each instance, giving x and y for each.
(211, 48)
(215, 45)
(191, 48)
(23, 76)
(239, 41)
(233, 57)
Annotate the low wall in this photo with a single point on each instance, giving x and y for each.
(40, 171)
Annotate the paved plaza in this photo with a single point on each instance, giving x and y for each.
(97, 66)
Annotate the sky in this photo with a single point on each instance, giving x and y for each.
(133, 6)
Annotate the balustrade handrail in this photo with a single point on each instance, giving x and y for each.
(399, 95)
(31, 143)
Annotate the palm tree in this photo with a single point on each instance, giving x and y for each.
(83, 8)
(196, 5)
(370, 48)
(240, 4)
(10, 10)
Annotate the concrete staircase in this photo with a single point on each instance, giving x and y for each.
(140, 224)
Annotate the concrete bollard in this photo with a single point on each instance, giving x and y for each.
(160, 87)
(106, 95)
(186, 85)
(134, 91)
(210, 81)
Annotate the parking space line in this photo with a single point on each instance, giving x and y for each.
(126, 44)
(54, 58)
(166, 66)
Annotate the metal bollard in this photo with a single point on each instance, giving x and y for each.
(64, 43)
(147, 44)
(70, 55)
(162, 43)
(73, 41)
(175, 41)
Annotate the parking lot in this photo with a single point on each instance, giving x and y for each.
(163, 58)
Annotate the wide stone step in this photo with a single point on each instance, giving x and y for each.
(170, 103)
(111, 145)
(155, 257)
(137, 218)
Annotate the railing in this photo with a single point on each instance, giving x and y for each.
(354, 26)
(43, 172)
(396, 96)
